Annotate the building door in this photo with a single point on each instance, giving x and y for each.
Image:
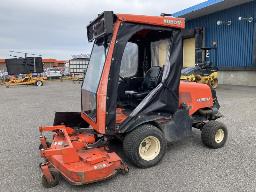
(189, 53)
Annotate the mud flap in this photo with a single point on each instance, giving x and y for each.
(215, 99)
(179, 127)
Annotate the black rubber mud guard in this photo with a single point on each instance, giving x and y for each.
(179, 127)
(70, 119)
(174, 128)
(215, 99)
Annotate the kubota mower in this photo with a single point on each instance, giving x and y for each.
(205, 72)
(131, 92)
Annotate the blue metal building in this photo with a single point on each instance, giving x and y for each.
(230, 25)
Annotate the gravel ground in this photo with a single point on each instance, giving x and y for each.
(187, 165)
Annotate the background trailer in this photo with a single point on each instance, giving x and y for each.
(24, 65)
(230, 25)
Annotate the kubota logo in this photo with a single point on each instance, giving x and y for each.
(100, 166)
(200, 100)
(172, 22)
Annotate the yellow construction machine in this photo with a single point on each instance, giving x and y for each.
(27, 79)
(204, 72)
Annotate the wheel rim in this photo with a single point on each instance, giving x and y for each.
(219, 136)
(149, 148)
(39, 83)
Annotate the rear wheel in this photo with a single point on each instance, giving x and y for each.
(214, 134)
(39, 83)
(145, 146)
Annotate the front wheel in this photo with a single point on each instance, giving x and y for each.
(145, 146)
(214, 134)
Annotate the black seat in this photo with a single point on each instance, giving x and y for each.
(152, 78)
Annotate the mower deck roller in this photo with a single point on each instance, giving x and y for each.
(71, 155)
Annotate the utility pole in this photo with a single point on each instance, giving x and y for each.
(34, 64)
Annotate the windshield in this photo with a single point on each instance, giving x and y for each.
(92, 79)
(93, 74)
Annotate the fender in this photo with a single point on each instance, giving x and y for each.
(152, 119)
(174, 128)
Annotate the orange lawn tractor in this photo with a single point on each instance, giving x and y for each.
(131, 92)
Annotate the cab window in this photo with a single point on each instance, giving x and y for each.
(129, 63)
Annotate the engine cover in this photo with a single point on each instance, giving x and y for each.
(195, 95)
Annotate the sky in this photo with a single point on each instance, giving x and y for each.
(57, 28)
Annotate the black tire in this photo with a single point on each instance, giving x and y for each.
(209, 132)
(55, 182)
(39, 83)
(133, 141)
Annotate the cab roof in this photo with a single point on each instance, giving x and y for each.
(163, 21)
(102, 26)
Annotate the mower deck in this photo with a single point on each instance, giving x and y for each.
(71, 155)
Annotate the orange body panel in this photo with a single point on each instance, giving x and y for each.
(120, 116)
(93, 165)
(195, 95)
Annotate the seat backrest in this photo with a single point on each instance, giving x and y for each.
(152, 78)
